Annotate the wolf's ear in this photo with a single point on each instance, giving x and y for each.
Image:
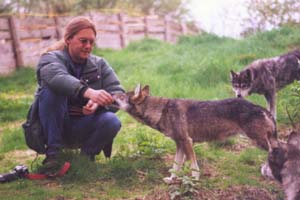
(272, 143)
(249, 74)
(146, 90)
(294, 138)
(232, 74)
(137, 92)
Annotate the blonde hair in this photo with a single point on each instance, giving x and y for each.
(71, 29)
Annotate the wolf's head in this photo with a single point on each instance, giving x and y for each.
(277, 156)
(241, 82)
(126, 101)
(280, 157)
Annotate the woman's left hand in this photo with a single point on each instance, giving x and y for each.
(90, 108)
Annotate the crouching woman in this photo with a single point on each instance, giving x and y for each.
(74, 95)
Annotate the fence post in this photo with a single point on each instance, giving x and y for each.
(57, 30)
(183, 28)
(167, 29)
(122, 29)
(146, 28)
(15, 41)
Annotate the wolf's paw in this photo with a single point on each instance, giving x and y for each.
(169, 180)
(266, 171)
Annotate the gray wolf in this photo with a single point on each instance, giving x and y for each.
(266, 76)
(284, 164)
(187, 121)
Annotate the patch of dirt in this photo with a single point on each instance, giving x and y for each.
(15, 124)
(231, 193)
(208, 170)
(245, 192)
(21, 156)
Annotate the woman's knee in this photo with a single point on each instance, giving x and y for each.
(110, 123)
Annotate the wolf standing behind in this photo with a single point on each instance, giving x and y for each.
(266, 76)
(283, 164)
(187, 121)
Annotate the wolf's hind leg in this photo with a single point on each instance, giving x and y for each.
(190, 155)
(178, 161)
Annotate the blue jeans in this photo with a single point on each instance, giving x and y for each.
(90, 132)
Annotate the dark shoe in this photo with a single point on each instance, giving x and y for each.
(51, 165)
(108, 149)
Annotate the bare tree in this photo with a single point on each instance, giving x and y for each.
(175, 8)
(6, 6)
(267, 14)
(59, 6)
(84, 5)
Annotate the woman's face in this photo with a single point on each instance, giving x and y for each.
(81, 45)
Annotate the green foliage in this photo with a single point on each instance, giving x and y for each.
(15, 109)
(148, 146)
(291, 103)
(122, 170)
(252, 156)
(204, 38)
(148, 45)
(197, 67)
(12, 139)
(186, 186)
(82, 170)
(245, 59)
(222, 144)
(22, 81)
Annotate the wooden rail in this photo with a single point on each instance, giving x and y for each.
(22, 39)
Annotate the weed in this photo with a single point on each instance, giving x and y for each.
(149, 146)
(185, 187)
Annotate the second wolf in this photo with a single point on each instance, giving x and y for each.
(283, 164)
(266, 76)
(187, 121)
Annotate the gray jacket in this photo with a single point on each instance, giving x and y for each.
(55, 70)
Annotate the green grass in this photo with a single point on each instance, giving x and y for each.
(196, 67)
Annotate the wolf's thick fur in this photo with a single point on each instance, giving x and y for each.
(187, 121)
(284, 164)
(266, 76)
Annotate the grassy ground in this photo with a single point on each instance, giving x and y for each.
(197, 67)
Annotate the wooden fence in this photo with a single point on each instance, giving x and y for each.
(22, 39)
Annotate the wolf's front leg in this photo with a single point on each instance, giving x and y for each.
(178, 161)
(271, 99)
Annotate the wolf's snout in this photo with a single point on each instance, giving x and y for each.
(239, 96)
(115, 105)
